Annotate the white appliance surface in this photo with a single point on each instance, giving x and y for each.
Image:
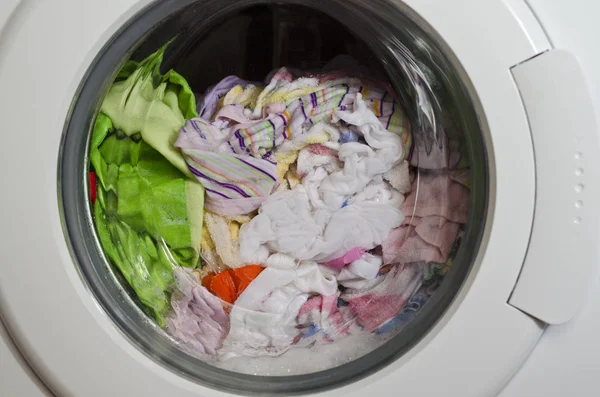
(16, 376)
(565, 361)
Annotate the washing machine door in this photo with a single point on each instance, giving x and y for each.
(540, 147)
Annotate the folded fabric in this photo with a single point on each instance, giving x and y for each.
(153, 105)
(198, 318)
(263, 317)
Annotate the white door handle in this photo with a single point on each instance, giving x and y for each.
(562, 254)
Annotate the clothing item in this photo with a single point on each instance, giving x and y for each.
(307, 235)
(399, 177)
(219, 247)
(235, 184)
(436, 194)
(430, 241)
(361, 273)
(434, 211)
(287, 110)
(311, 221)
(287, 223)
(436, 153)
(147, 214)
(227, 248)
(433, 275)
(314, 156)
(378, 192)
(263, 317)
(351, 256)
(230, 284)
(375, 306)
(326, 318)
(152, 106)
(230, 156)
(197, 319)
(208, 105)
(245, 96)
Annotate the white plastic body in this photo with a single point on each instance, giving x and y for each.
(7, 7)
(71, 343)
(562, 251)
(565, 361)
(16, 376)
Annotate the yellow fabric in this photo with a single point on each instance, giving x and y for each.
(239, 95)
(234, 231)
(292, 179)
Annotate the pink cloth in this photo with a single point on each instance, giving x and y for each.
(376, 306)
(341, 262)
(432, 154)
(433, 218)
(427, 241)
(316, 155)
(198, 318)
(437, 195)
(332, 322)
(365, 309)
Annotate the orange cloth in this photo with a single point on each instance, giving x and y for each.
(229, 284)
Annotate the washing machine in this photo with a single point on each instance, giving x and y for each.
(517, 75)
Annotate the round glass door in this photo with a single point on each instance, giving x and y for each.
(274, 197)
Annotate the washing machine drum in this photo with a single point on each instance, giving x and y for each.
(409, 219)
(289, 197)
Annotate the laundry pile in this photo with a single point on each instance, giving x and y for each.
(272, 216)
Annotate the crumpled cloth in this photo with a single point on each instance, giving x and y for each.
(349, 257)
(429, 152)
(233, 156)
(312, 221)
(263, 317)
(324, 319)
(287, 109)
(234, 184)
(198, 318)
(434, 211)
(361, 273)
(209, 103)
